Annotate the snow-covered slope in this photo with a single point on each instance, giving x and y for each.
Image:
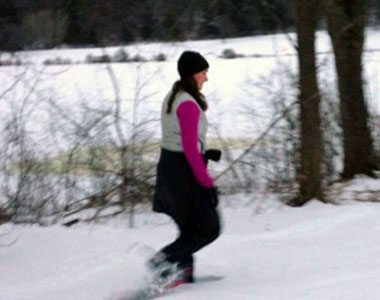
(267, 251)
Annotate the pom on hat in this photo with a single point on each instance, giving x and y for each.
(190, 63)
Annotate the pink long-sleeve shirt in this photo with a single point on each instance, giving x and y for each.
(188, 116)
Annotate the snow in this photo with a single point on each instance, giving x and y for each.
(267, 251)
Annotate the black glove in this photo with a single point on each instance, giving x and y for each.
(212, 154)
(214, 196)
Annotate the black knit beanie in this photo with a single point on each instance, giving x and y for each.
(190, 63)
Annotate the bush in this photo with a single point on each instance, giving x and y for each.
(57, 61)
(160, 57)
(120, 56)
(10, 62)
(138, 58)
(230, 54)
(98, 59)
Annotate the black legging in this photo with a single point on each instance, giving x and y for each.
(200, 227)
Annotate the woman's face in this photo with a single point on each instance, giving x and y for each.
(200, 78)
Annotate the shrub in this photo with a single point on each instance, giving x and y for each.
(138, 58)
(98, 59)
(230, 54)
(120, 56)
(160, 57)
(57, 61)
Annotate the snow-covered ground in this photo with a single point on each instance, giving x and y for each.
(267, 251)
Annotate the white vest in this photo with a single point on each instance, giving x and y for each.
(171, 133)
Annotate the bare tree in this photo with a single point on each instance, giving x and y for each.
(132, 144)
(106, 160)
(26, 189)
(346, 23)
(309, 175)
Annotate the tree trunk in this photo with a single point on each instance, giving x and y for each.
(346, 22)
(309, 176)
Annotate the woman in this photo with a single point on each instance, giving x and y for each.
(184, 189)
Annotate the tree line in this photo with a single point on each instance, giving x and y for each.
(50, 23)
(36, 24)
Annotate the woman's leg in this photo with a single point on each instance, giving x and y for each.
(201, 228)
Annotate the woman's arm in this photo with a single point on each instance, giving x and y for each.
(188, 116)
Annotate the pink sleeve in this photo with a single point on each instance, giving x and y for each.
(188, 116)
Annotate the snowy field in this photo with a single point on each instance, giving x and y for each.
(240, 91)
(267, 251)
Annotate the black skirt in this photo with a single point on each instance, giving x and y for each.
(177, 192)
